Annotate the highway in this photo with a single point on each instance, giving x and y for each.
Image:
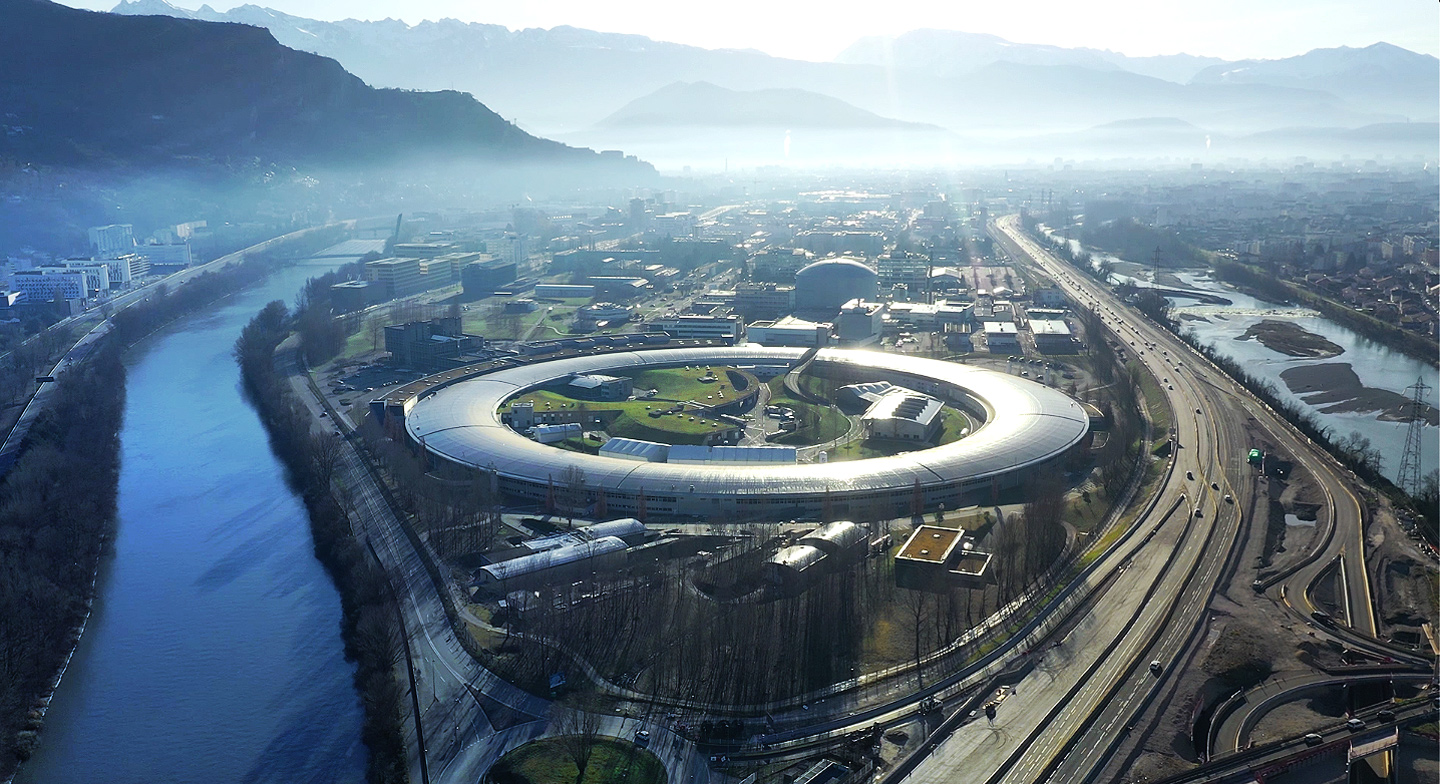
(1092, 695)
(1171, 575)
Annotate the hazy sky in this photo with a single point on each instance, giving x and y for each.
(811, 30)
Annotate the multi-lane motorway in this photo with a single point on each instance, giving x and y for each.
(1065, 719)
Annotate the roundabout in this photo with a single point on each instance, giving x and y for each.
(459, 424)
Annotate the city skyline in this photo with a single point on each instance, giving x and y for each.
(1228, 29)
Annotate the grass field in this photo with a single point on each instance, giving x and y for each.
(611, 762)
(630, 418)
(684, 383)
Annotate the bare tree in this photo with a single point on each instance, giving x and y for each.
(579, 729)
(572, 492)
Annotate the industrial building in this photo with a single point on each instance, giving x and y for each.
(1002, 337)
(903, 415)
(562, 556)
(826, 285)
(564, 291)
(682, 454)
(935, 558)
(553, 434)
(830, 547)
(686, 454)
(1052, 336)
(790, 331)
(1024, 426)
(860, 323)
(353, 295)
(595, 386)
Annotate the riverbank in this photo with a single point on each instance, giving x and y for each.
(1334, 387)
(59, 499)
(1291, 340)
(371, 631)
(1246, 277)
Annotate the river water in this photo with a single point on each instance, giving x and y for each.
(1377, 366)
(214, 653)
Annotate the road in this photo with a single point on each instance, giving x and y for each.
(1168, 572)
(469, 715)
(1099, 713)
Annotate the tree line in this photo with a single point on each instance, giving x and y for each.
(369, 627)
(57, 511)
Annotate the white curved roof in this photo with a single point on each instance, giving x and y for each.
(1027, 424)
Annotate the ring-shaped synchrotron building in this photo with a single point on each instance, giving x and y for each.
(1025, 426)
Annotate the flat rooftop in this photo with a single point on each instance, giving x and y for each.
(931, 544)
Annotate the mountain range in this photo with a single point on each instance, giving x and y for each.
(565, 80)
(684, 104)
(93, 89)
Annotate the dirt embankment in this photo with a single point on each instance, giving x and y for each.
(1291, 340)
(1333, 387)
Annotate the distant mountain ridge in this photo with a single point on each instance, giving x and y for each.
(706, 104)
(86, 88)
(1395, 78)
(568, 82)
(952, 53)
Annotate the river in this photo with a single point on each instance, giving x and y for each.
(213, 654)
(1377, 366)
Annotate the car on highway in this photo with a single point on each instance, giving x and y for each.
(1229, 499)
(642, 737)
(1386, 715)
(1156, 667)
(1313, 739)
(1355, 724)
(1198, 411)
(1189, 474)
(1199, 512)
(1214, 485)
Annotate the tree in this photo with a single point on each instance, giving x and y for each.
(579, 728)
(572, 492)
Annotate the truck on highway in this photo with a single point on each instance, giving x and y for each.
(1256, 456)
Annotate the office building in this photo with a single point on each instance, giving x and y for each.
(728, 327)
(113, 240)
